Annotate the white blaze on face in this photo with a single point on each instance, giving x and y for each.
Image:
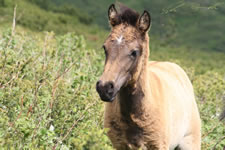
(119, 40)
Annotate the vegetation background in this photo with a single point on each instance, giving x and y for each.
(51, 57)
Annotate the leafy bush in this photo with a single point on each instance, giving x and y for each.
(48, 98)
(2, 3)
(210, 91)
(45, 4)
(47, 93)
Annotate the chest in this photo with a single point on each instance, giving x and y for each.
(128, 133)
(130, 121)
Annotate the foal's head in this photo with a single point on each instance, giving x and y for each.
(125, 50)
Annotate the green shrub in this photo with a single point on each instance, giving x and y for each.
(47, 93)
(48, 98)
(210, 91)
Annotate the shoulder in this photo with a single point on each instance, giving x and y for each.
(168, 71)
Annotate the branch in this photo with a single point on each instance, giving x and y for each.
(210, 131)
(74, 124)
(55, 85)
(66, 70)
(12, 35)
(14, 21)
(221, 139)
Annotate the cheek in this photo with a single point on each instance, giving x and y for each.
(127, 71)
(132, 65)
(128, 65)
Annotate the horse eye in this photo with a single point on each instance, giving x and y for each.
(134, 53)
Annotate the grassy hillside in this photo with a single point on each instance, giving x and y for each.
(190, 23)
(194, 24)
(30, 15)
(47, 79)
(60, 20)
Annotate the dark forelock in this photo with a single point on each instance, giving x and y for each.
(127, 15)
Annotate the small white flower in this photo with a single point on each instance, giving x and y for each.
(64, 147)
(217, 114)
(51, 128)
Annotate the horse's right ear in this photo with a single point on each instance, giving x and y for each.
(112, 15)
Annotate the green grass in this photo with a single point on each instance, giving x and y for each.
(36, 19)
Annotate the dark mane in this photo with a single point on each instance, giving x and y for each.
(127, 15)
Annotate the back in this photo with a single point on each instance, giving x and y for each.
(169, 72)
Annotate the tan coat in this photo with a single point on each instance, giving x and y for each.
(168, 117)
(151, 105)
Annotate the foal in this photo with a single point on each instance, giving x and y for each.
(150, 105)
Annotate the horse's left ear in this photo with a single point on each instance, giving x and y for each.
(144, 22)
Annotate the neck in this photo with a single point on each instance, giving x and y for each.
(132, 98)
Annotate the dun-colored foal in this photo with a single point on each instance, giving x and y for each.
(150, 105)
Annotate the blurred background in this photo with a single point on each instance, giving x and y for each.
(193, 23)
(51, 58)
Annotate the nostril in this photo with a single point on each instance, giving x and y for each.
(98, 83)
(111, 85)
(109, 88)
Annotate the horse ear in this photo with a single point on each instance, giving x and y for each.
(112, 15)
(144, 22)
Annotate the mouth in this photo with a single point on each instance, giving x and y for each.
(107, 98)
